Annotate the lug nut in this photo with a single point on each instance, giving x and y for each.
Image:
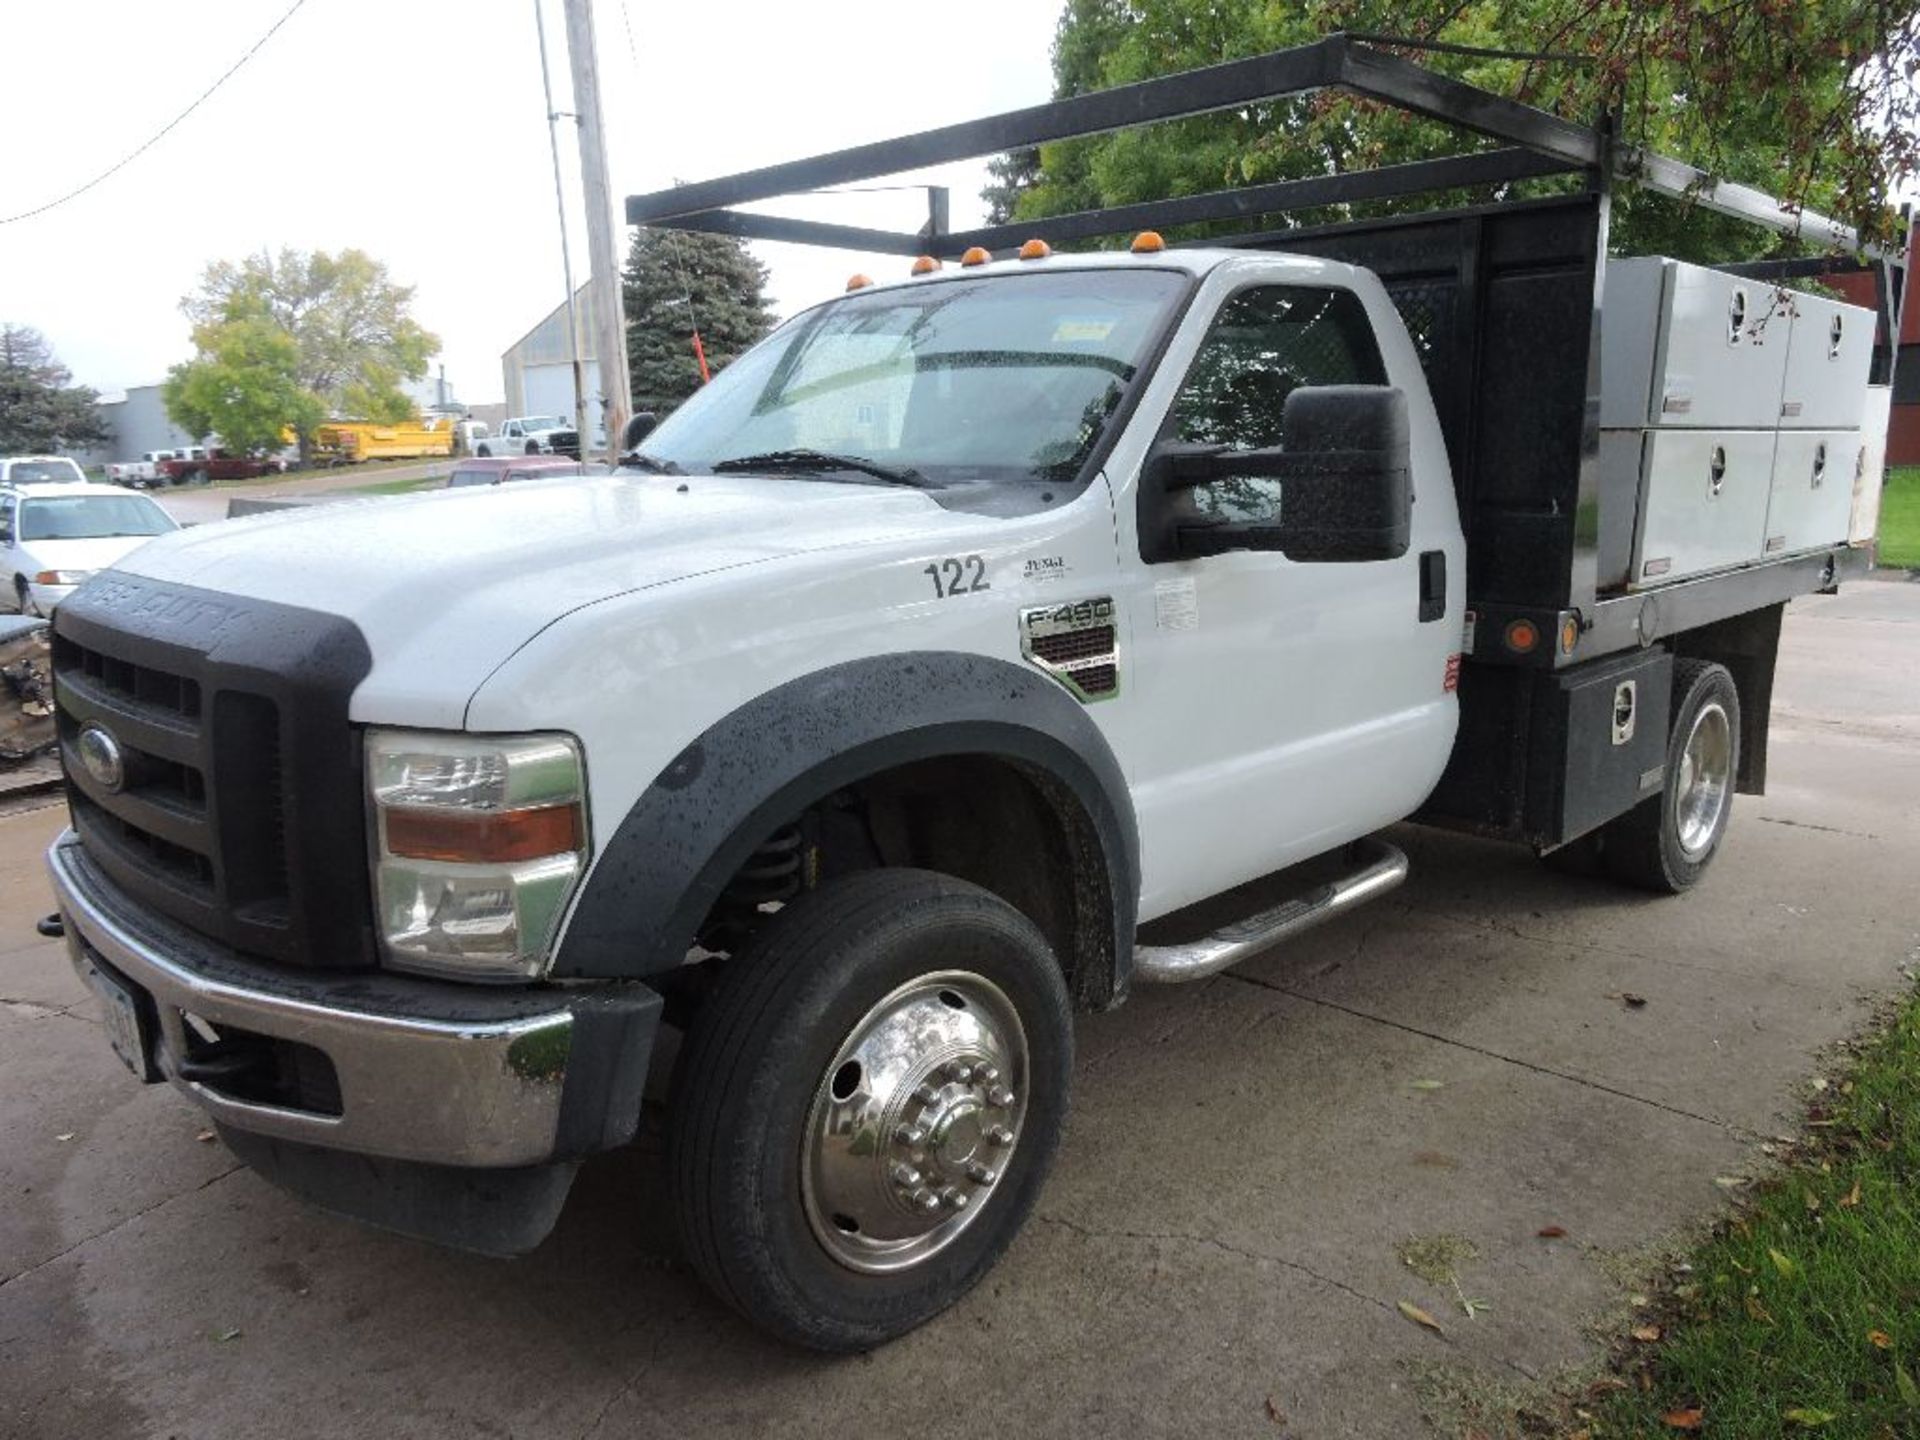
(905, 1176)
(927, 1095)
(959, 1071)
(909, 1135)
(982, 1174)
(927, 1200)
(1000, 1096)
(1000, 1135)
(986, 1074)
(955, 1199)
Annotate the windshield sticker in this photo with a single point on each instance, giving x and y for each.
(1176, 605)
(1082, 331)
(1045, 567)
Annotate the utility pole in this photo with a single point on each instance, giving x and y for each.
(566, 257)
(609, 310)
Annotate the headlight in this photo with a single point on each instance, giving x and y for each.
(479, 841)
(61, 577)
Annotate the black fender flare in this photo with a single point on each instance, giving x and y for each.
(691, 830)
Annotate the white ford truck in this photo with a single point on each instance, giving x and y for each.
(856, 727)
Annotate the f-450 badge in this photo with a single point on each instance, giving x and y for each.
(1077, 643)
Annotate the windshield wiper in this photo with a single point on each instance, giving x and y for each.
(648, 462)
(820, 460)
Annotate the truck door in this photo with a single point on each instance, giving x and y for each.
(1281, 708)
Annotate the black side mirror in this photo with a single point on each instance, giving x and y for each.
(1340, 490)
(638, 428)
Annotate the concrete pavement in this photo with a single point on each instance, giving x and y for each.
(1217, 1246)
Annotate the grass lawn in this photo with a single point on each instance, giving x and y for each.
(1801, 1317)
(1900, 518)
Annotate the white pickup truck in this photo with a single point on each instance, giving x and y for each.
(906, 684)
(529, 435)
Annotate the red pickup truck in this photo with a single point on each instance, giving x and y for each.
(218, 465)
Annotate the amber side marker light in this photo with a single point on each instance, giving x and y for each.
(1522, 636)
(1148, 242)
(1569, 634)
(976, 255)
(925, 265)
(859, 282)
(484, 836)
(1035, 250)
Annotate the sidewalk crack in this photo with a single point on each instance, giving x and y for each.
(1090, 1232)
(1731, 1127)
(117, 1225)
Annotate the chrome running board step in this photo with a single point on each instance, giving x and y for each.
(1377, 868)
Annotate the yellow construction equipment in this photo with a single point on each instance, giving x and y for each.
(350, 441)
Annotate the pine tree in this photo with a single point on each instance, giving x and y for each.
(41, 408)
(678, 282)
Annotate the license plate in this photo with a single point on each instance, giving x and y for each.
(125, 1014)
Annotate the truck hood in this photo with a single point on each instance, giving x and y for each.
(446, 585)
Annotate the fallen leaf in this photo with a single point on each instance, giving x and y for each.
(1429, 1084)
(1606, 1383)
(1783, 1263)
(1420, 1317)
(1633, 1001)
(1274, 1412)
(1552, 1232)
(1730, 1182)
(1809, 1419)
(1903, 1382)
(1811, 1201)
(1880, 1339)
(1648, 1333)
(1851, 1198)
(63, 1138)
(1683, 1419)
(1819, 1082)
(1758, 1312)
(226, 1335)
(204, 1136)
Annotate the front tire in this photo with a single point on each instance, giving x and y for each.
(867, 1106)
(1666, 842)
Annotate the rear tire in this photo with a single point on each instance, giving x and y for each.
(867, 1105)
(1666, 842)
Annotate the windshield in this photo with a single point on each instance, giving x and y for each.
(543, 422)
(87, 517)
(986, 379)
(23, 472)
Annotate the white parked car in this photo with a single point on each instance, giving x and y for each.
(39, 470)
(53, 536)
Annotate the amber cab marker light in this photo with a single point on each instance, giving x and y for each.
(1569, 635)
(925, 265)
(1148, 242)
(976, 255)
(484, 837)
(1522, 636)
(859, 282)
(1035, 250)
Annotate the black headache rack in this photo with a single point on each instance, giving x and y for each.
(1503, 302)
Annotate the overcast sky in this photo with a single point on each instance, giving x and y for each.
(414, 129)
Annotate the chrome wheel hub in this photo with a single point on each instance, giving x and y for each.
(914, 1122)
(1705, 780)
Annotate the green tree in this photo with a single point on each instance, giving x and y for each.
(347, 328)
(41, 409)
(1811, 99)
(677, 282)
(243, 385)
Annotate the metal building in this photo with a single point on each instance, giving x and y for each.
(137, 420)
(538, 367)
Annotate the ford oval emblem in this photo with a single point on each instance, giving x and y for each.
(100, 757)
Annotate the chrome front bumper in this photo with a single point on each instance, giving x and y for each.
(448, 1074)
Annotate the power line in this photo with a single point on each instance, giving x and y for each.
(162, 132)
